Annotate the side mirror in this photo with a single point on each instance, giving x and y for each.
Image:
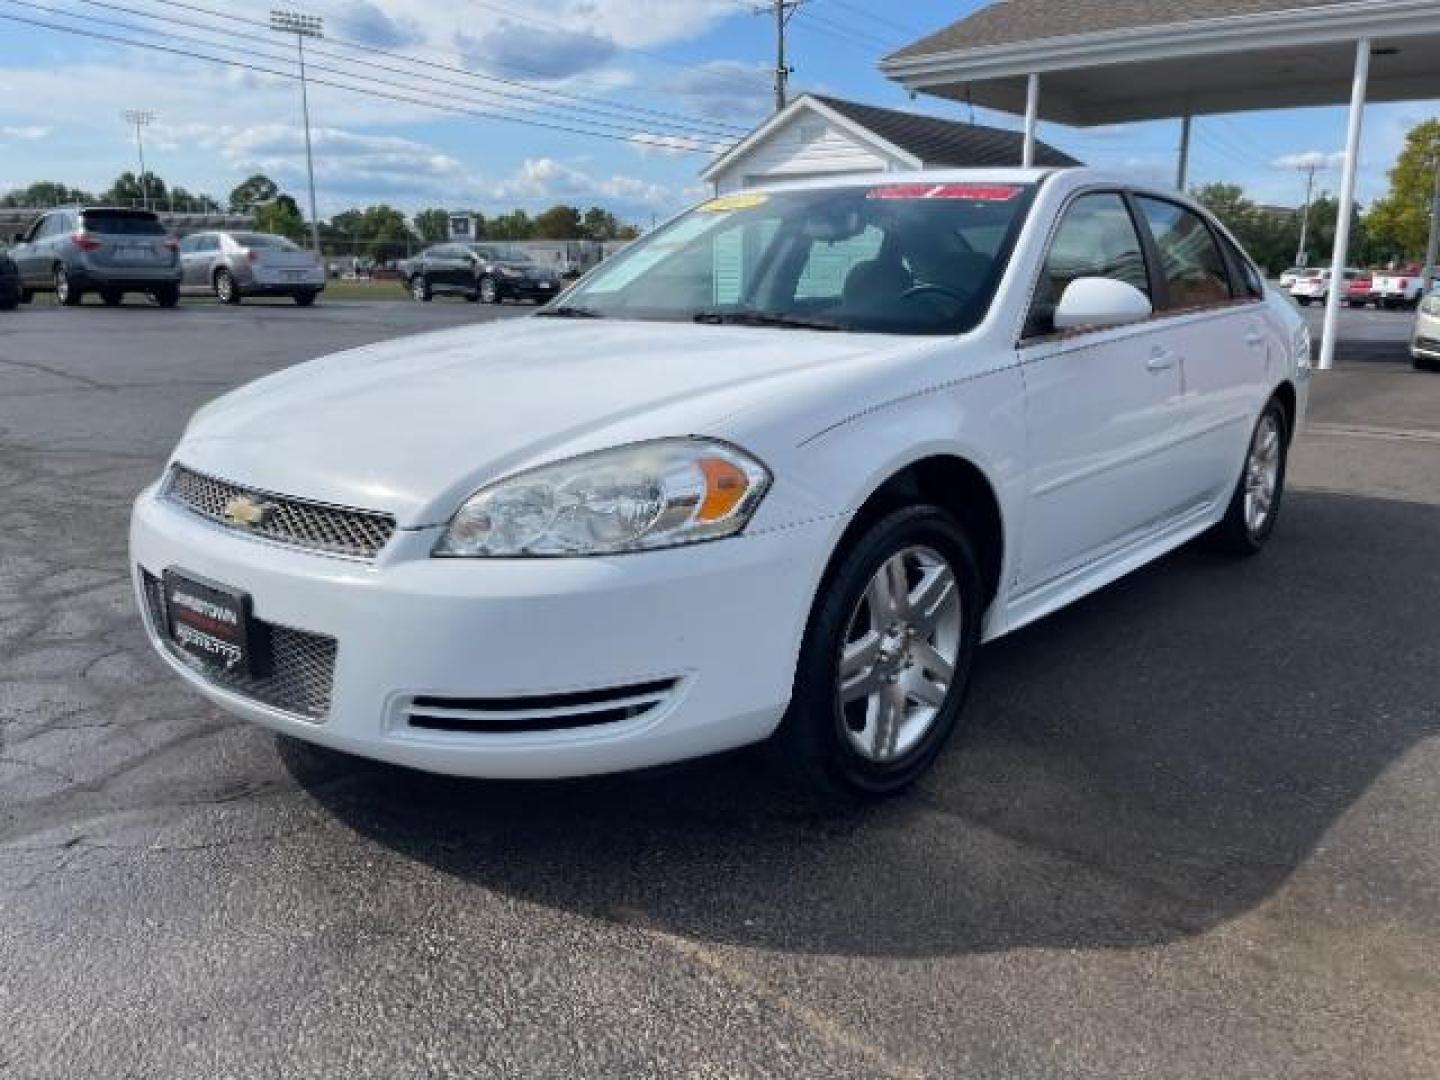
(1096, 302)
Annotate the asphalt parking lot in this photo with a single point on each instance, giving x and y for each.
(1190, 831)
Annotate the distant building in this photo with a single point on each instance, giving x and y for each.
(817, 136)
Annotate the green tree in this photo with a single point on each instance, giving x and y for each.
(599, 224)
(1400, 222)
(46, 193)
(515, 225)
(127, 190)
(433, 226)
(281, 215)
(558, 223)
(188, 202)
(254, 191)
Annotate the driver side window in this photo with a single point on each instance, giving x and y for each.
(1095, 238)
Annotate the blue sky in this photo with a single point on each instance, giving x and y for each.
(656, 78)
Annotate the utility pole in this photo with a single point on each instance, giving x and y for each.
(1309, 171)
(1432, 249)
(783, 11)
(140, 118)
(303, 26)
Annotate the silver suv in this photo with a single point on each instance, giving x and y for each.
(96, 249)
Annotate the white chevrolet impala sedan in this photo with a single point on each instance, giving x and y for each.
(773, 474)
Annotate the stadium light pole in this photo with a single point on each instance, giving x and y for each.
(303, 26)
(138, 119)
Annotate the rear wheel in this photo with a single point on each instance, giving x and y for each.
(167, 296)
(1255, 503)
(886, 659)
(27, 295)
(68, 294)
(305, 299)
(226, 291)
(111, 297)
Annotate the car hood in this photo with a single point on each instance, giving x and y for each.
(413, 426)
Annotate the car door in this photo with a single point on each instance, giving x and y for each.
(1101, 406)
(27, 255)
(1217, 326)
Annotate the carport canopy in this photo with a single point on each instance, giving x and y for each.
(1092, 62)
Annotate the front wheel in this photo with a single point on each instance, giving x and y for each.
(111, 297)
(886, 659)
(489, 291)
(167, 296)
(305, 299)
(1255, 503)
(420, 289)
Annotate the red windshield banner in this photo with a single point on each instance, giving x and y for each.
(972, 192)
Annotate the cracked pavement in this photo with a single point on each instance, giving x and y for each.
(1189, 832)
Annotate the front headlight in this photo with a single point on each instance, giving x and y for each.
(633, 498)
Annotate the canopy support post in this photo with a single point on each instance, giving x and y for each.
(1182, 173)
(1346, 209)
(1032, 114)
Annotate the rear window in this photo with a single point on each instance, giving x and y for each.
(122, 223)
(263, 240)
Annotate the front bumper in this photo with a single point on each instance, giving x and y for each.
(721, 621)
(1425, 348)
(526, 289)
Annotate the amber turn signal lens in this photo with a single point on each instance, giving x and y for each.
(725, 486)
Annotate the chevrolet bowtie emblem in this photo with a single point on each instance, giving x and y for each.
(246, 513)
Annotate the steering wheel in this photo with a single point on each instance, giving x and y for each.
(926, 288)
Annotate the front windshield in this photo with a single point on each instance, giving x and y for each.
(912, 258)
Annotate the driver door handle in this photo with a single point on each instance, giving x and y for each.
(1161, 359)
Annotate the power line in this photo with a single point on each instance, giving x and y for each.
(881, 19)
(366, 91)
(585, 104)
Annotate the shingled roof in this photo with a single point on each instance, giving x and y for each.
(937, 141)
(1009, 22)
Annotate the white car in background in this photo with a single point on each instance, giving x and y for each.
(1425, 344)
(1399, 288)
(1313, 286)
(773, 473)
(1294, 274)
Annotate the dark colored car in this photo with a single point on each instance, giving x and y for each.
(9, 284)
(110, 251)
(483, 272)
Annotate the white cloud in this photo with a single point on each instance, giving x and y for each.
(1310, 159)
(540, 179)
(29, 133)
(730, 90)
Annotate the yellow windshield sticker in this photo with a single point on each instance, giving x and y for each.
(727, 203)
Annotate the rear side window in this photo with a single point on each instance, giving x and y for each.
(1190, 258)
(1247, 280)
(120, 223)
(1096, 238)
(263, 240)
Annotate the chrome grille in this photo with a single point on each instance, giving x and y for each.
(314, 526)
(299, 675)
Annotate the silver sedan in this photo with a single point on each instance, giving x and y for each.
(234, 265)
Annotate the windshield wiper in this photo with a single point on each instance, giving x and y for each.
(568, 311)
(715, 317)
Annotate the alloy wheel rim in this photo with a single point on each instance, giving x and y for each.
(899, 654)
(487, 291)
(223, 287)
(62, 285)
(1262, 474)
(417, 288)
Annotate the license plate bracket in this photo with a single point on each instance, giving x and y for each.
(210, 622)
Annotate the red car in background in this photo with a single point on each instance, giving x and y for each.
(1360, 290)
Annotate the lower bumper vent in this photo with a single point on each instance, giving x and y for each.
(549, 712)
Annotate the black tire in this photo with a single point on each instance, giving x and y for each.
(111, 297)
(1303, 301)
(66, 293)
(420, 289)
(1234, 534)
(9, 299)
(167, 296)
(27, 295)
(812, 745)
(489, 292)
(226, 290)
(305, 299)
(472, 297)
